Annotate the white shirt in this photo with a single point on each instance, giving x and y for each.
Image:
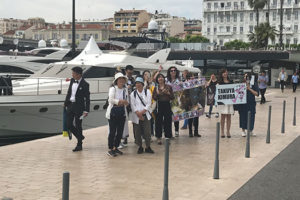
(119, 93)
(282, 76)
(74, 90)
(137, 105)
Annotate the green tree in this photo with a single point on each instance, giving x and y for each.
(262, 34)
(257, 5)
(236, 45)
(189, 39)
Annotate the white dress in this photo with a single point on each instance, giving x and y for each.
(226, 109)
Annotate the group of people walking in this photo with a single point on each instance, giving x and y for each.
(146, 101)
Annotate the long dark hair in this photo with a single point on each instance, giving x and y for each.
(169, 73)
(159, 75)
(220, 79)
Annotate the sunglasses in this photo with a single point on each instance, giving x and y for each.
(174, 70)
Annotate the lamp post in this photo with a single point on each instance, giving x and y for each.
(73, 28)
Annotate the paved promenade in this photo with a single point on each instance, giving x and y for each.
(33, 170)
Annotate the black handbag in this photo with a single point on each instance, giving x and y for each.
(117, 111)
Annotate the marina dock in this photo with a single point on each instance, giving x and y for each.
(33, 170)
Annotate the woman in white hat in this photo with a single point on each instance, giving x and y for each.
(116, 113)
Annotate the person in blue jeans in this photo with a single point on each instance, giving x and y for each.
(295, 79)
(252, 91)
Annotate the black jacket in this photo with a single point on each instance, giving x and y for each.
(82, 97)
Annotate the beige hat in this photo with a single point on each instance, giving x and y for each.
(119, 75)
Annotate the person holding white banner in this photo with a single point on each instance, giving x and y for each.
(252, 91)
(225, 110)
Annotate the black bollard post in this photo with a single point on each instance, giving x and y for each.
(166, 177)
(269, 126)
(294, 119)
(283, 118)
(247, 153)
(216, 168)
(66, 184)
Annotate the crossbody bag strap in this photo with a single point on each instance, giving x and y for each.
(142, 101)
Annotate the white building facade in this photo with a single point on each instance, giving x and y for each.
(227, 20)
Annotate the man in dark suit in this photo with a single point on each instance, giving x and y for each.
(78, 105)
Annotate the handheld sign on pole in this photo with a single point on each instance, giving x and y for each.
(231, 94)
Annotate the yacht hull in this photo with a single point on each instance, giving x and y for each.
(43, 115)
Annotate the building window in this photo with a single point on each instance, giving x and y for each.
(295, 41)
(208, 31)
(296, 28)
(208, 6)
(227, 29)
(215, 18)
(288, 15)
(96, 36)
(221, 28)
(250, 28)
(208, 18)
(288, 41)
(289, 2)
(274, 16)
(215, 5)
(215, 30)
(69, 36)
(221, 42)
(221, 18)
(296, 14)
(234, 29)
(125, 31)
(251, 16)
(274, 2)
(54, 35)
(234, 17)
(241, 29)
(228, 5)
(222, 5)
(242, 5)
(77, 36)
(241, 17)
(235, 4)
(228, 17)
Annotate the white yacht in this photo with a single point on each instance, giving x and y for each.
(37, 104)
(20, 65)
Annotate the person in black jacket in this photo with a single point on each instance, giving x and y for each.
(78, 105)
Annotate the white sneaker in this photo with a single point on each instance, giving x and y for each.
(176, 134)
(244, 134)
(121, 146)
(252, 133)
(216, 115)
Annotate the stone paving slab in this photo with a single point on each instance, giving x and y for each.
(33, 170)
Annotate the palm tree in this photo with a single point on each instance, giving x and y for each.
(262, 34)
(281, 25)
(257, 5)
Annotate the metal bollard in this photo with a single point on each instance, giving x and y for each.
(283, 118)
(216, 168)
(294, 119)
(247, 153)
(269, 126)
(166, 176)
(66, 184)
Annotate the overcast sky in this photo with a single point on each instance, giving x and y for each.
(61, 10)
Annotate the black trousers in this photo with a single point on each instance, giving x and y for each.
(163, 119)
(282, 83)
(295, 87)
(176, 124)
(194, 121)
(262, 93)
(75, 128)
(116, 127)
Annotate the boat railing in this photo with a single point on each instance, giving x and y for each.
(47, 86)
